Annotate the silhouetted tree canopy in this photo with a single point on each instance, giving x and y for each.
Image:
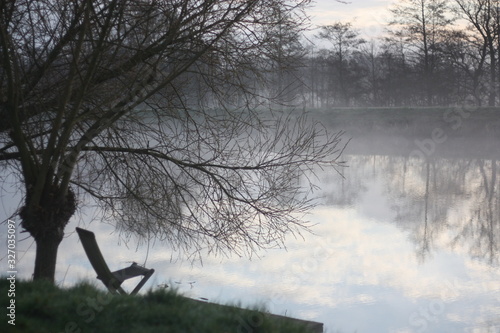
(151, 109)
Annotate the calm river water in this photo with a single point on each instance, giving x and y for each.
(407, 241)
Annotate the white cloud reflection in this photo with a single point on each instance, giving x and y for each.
(355, 263)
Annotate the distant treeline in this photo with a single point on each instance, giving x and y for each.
(434, 53)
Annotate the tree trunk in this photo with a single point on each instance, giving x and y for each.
(46, 257)
(493, 78)
(45, 221)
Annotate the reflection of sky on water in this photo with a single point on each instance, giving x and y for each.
(400, 246)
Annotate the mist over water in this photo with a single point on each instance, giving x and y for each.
(407, 241)
(424, 193)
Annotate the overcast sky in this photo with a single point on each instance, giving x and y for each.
(369, 16)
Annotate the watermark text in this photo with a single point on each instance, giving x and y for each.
(12, 271)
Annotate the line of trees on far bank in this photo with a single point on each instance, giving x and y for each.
(435, 53)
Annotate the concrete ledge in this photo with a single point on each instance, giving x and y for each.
(312, 326)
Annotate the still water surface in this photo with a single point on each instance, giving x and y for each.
(405, 242)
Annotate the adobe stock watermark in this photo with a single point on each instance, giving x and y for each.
(454, 119)
(11, 271)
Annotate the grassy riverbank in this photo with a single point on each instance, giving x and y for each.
(41, 307)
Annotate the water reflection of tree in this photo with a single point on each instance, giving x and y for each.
(482, 229)
(458, 198)
(453, 203)
(352, 185)
(424, 211)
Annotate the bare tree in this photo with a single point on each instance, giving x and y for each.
(467, 55)
(95, 102)
(483, 15)
(422, 23)
(284, 56)
(344, 39)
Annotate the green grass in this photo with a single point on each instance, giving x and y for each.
(42, 307)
